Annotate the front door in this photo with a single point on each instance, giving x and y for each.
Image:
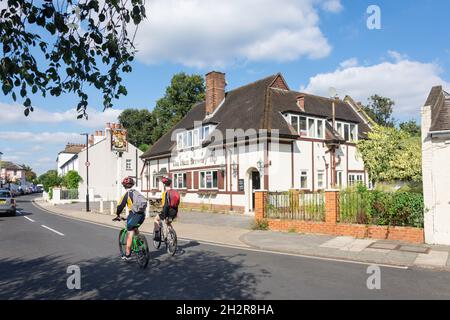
(256, 185)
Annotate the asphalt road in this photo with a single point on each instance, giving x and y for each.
(34, 262)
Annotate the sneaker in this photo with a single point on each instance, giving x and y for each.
(126, 258)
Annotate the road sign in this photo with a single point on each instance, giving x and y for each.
(87, 163)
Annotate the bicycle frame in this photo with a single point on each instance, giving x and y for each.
(134, 244)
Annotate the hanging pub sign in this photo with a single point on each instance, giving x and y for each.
(119, 140)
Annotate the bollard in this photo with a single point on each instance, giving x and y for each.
(147, 210)
(112, 208)
(101, 205)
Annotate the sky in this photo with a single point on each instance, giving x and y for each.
(315, 44)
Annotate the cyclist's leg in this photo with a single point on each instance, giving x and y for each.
(132, 222)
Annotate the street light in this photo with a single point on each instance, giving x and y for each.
(234, 168)
(260, 164)
(87, 170)
(1, 179)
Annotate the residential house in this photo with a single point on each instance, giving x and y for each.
(106, 166)
(435, 166)
(11, 172)
(260, 136)
(67, 159)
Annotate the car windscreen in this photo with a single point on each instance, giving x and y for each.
(5, 194)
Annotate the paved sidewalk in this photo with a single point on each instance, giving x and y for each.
(235, 230)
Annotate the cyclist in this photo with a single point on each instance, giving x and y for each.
(170, 201)
(135, 219)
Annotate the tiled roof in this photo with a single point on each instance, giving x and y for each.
(9, 165)
(260, 106)
(439, 100)
(73, 148)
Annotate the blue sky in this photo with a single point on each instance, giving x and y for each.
(315, 44)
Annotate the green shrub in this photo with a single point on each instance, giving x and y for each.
(407, 209)
(50, 193)
(261, 224)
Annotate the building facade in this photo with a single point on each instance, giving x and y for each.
(11, 172)
(107, 166)
(436, 172)
(262, 136)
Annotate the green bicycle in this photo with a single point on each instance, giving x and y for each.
(139, 246)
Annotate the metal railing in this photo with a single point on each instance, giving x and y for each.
(352, 207)
(71, 194)
(296, 206)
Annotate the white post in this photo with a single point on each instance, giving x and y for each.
(101, 205)
(147, 211)
(112, 208)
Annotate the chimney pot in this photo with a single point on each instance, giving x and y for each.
(301, 102)
(215, 90)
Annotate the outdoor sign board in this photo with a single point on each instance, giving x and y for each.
(241, 185)
(119, 140)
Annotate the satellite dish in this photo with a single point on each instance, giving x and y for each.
(332, 92)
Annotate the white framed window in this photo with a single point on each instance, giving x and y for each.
(155, 183)
(179, 180)
(192, 138)
(355, 178)
(180, 140)
(348, 131)
(304, 179)
(339, 178)
(320, 179)
(208, 179)
(307, 126)
(205, 132)
(129, 165)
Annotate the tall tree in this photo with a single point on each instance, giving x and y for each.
(55, 47)
(30, 175)
(184, 91)
(50, 179)
(139, 124)
(411, 127)
(71, 180)
(380, 110)
(390, 154)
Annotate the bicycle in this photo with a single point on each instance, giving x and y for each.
(139, 246)
(168, 236)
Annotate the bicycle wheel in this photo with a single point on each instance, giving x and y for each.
(156, 243)
(122, 241)
(143, 255)
(172, 242)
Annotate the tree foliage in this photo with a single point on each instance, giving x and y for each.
(139, 124)
(55, 46)
(145, 128)
(411, 127)
(71, 180)
(184, 91)
(50, 179)
(380, 110)
(30, 175)
(390, 154)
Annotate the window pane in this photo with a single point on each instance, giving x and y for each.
(294, 122)
(347, 132)
(196, 140)
(319, 129)
(215, 182)
(202, 180)
(311, 128)
(339, 128)
(302, 124)
(189, 139)
(320, 176)
(180, 140)
(353, 132)
(185, 144)
(184, 180)
(304, 180)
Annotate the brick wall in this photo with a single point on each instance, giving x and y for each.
(332, 227)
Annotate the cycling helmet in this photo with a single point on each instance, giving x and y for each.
(128, 182)
(166, 181)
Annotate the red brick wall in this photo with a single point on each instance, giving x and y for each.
(331, 227)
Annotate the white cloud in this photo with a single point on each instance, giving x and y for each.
(13, 113)
(406, 82)
(217, 33)
(41, 137)
(350, 63)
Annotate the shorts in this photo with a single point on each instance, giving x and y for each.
(134, 220)
(172, 213)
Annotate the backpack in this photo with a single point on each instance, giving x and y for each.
(139, 202)
(174, 198)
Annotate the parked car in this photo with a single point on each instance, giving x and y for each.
(7, 202)
(40, 188)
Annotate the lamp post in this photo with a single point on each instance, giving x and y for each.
(87, 171)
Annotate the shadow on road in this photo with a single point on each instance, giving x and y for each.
(195, 275)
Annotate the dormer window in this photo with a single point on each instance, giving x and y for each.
(192, 138)
(348, 131)
(307, 126)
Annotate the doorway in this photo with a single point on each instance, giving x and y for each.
(256, 185)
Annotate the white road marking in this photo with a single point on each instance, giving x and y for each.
(29, 219)
(217, 244)
(57, 232)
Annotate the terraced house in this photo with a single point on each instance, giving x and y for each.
(262, 136)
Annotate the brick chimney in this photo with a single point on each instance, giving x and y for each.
(301, 102)
(215, 90)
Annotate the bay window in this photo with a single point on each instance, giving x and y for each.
(308, 127)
